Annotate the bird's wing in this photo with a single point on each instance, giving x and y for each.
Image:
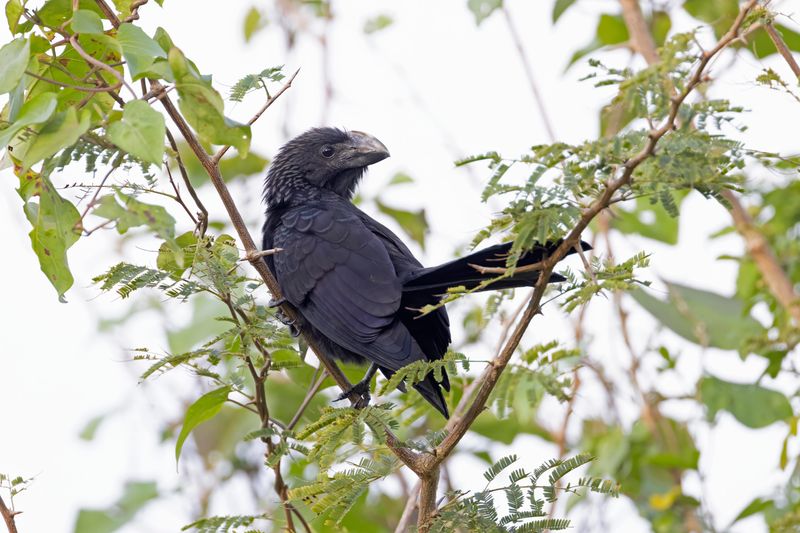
(340, 276)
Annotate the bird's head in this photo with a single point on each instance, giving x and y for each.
(324, 158)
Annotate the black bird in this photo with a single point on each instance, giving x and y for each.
(354, 283)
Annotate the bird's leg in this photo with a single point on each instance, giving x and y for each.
(281, 316)
(361, 388)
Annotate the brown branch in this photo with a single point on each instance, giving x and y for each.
(408, 512)
(8, 516)
(260, 112)
(203, 214)
(469, 408)
(783, 49)
(73, 40)
(81, 88)
(108, 12)
(756, 244)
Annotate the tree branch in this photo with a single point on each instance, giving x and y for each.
(783, 49)
(8, 516)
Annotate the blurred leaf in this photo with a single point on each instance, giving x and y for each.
(611, 29)
(719, 13)
(203, 107)
(201, 327)
(703, 317)
(140, 132)
(378, 23)
(85, 21)
(482, 9)
(756, 506)
(253, 21)
(136, 496)
(90, 429)
(649, 220)
(231, 168)
(61, 131)
(13, 61)
(56, 227)
(660, 24)
(752, 405)
(140, 51)
(205, 408)
(413, 223)
(401, 178)
(762, 45)
(560, 7)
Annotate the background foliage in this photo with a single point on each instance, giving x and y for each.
(89, 150)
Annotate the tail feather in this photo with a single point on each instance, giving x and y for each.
(430, 390)
(462, 271)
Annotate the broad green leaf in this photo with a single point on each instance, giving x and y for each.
(13, 61)
(140, 132)
(482, 9)
(758, 505)
(762, 45)
(378, 23)
(560, 7)
(85, 21)
(611, 29)
(203, 107)
(660, 24)
(719, 13)
(177, 259)
(133, 213)
(137, 494)
(706, 318)
(413, 223)
(231, 168)
(649, 220)
(54, 13)
(139, 49)
(61, 131)
(14, 11)
(35, 111)
(56, 227)
(200, 411)
(752, 405)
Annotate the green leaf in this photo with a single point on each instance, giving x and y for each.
(482, 9)
(413, 223)
(140, 51)
(253, 21)
(85, 21)
(703, 317)
(61, 131)
(376, 24)
(611, 29)
(660, 24)
(649, 220)
(134, 213)
(14, 11)
(203, 107)
(756, 506)
(762, 45)
(560, 7)
(719, 13)
(752, 405)
(204, 409)
(136, 496)
(140, 132)
(35, 111)
(13, 61)
(177, 259)
(56, 227)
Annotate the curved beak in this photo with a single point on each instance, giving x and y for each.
(365, 150)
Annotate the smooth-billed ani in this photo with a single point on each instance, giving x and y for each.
(354, 283)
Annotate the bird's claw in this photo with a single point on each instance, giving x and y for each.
(362, 389)
(275, 303)
(286, 321)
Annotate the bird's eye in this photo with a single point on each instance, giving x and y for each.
(327, 151)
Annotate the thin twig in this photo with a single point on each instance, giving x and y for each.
(73, 40)
(316, 383)
(260, 112)
(407, 518)
(203, 215)
(783, 49)
(108, 12)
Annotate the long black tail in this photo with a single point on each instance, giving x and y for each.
(461, 272)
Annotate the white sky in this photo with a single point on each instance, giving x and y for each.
(56, 372)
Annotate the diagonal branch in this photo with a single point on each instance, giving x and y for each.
(8, 516)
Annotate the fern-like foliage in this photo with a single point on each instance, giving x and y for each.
(222, 524)
(252, 82)
(417, 371)
(525, 498)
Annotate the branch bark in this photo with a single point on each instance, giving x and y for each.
(8, 517)
(756, 244)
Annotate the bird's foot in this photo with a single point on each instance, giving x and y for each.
(275, 303)
(362, 389)
(288, 322)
